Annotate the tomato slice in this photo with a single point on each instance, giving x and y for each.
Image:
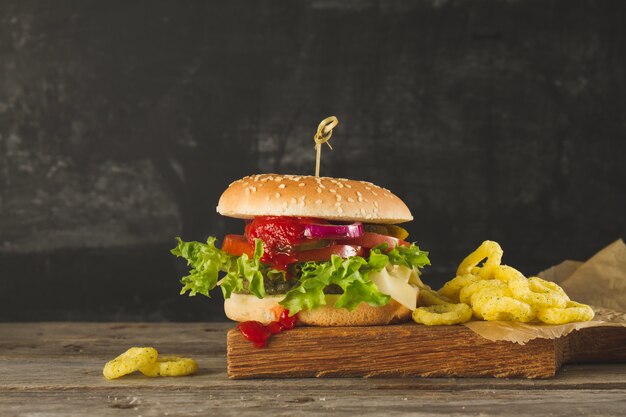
(369, 240)
(237, 245)
(324, 254)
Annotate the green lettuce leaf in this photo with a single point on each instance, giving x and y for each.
(352, 276)
(410, 256)
(207, 262)
(252, 271)
(242, 273)
(349, 274)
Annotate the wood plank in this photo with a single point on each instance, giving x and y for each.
(314, 402)
(378, 351)
(33, 358)
(414, 350)
(597, 344)
(54, 369)
(84, 374)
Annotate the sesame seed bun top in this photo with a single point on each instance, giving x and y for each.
(308, 196)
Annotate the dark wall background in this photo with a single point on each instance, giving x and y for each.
(122, 121)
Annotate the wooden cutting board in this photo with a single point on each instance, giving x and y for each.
(410, 350)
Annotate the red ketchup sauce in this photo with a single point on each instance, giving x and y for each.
(259, 334)
(279, 235)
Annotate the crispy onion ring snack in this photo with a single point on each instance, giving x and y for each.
(497, 292)
(537, 284)
(488, 249)
(482, 287)
(537, 293)
(442, 314)
(506, 308)
(170, 366)
(438, 310)
(572, 312)
(129, 362)
(147, 361)
(452, 288)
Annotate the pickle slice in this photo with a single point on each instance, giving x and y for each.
(314, 244)
(388, 230)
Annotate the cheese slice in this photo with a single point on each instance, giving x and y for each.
(414, 278)
(393, 280)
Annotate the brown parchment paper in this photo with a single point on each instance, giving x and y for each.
(599, 282)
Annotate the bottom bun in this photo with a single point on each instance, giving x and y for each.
(243, 307)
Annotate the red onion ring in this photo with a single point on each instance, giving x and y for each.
(333, 231)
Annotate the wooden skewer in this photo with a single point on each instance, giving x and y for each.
(323, 135)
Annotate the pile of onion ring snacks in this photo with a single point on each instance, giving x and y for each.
(147, 361)
(491, 291)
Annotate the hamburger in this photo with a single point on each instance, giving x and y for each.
(328, 251)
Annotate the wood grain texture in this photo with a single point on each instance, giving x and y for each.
(415, 350)
(54, 370)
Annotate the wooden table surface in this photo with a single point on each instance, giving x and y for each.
(55, 369)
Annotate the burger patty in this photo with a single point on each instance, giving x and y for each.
(276, 287)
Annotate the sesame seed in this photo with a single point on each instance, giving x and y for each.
(362, 210)
(348, 185)
(278, 179)
(360, 199)
(321, 185)
(338, 197)
(252, 188)
(301, 184)
(333, 191)
(376, 203)
(339, 209)
(281, 186)
(337, 204)
(277, 195)
(368, 188)
(318, 202)
(319, 190)
(359, 193)
(350, 200)
(375, 193)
